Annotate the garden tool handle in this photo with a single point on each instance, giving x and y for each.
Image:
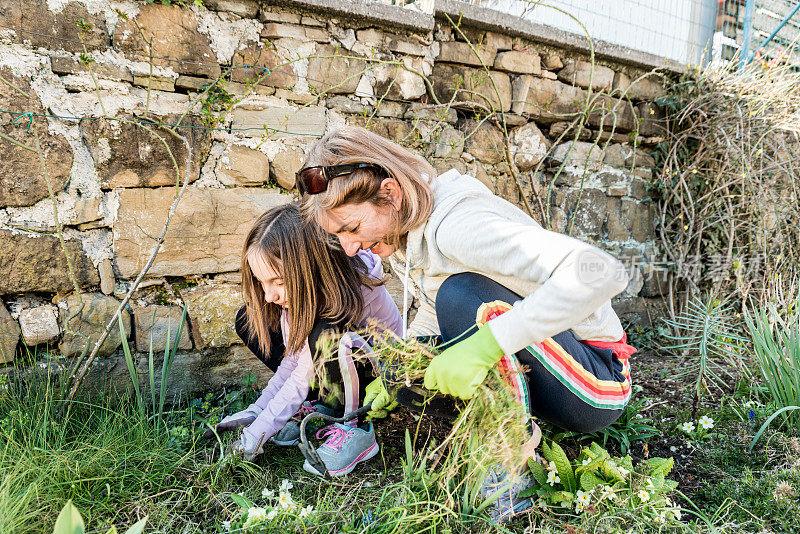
(308, 450)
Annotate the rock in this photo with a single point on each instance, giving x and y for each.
(84, 211)
(612, 113)
(529, 146)
(397, 110)
(552, 62)
(590, 213)
(388, 128)
(262, 65)
(655, 281)
(22, 182)
(155, 83)
(640, 221)
(156, 324)
(462, 53)
(345, 104)
(247, 9)
(277, 30)
(212, 312)
(285, 165)
(449, 143)
(334, 70)
(39, 325)
(485, 142)
(106, 271)
(394, 82)
(616, 227)
(497, 41)
(174, 34)
(390, 41)
(206, 233)
(648, 88)
(9, 335)
(518, 62)
(625, 156)
(578, 153)
(547, 99)
(472, 85)
(444, 165)
(57, 29)
(37, 264)
(652, 119)
(88, 325)
(268, 15)
(280, 122)
(127, 155)
(564, 131)
(581, 72)
(102, 69)
(621, 83)
(617, 191)
(243, 166)
(192, 83)
(421, 112)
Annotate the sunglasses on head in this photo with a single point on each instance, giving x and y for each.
(314, 180)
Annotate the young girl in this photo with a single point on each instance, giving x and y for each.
(297, 283)
(484, 272)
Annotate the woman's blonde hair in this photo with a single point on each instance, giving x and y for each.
(320, 279)
(352, 144)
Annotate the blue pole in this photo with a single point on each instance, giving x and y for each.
(781, 25)
(748, 32)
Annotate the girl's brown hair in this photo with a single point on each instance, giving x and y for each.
(320, 279)
(352, 144)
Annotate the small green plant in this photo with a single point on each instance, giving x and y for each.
(700, 431)
(170, 348)
(597, 481)
(775, 338)
(216, 103)
(705, 334)
(279, 512)
(70, 522)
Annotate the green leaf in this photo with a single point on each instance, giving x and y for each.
(69, 520)
(564, 467)
(242, 501)
(589, 481)
(546, 451)
(538, 471)
(138, 527)
(659, 466)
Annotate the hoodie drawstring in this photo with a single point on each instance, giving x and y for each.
(405, 297)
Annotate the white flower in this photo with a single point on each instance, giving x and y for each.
(673, 448)
(267, 493)
(552, 467)
(706, 422)
(272, 514)
(586, 461)
(583, 497)
(608, 493)
(676, 513)
(662, 516)
(552, 478)
(305, 512)
(286, 485)
(226, 525)
(643, 496)
(285, 500)
(622, 471)
(255, 515)
(687, 427)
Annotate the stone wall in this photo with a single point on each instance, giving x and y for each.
(501, 102)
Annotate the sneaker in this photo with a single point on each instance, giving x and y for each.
(506, 505)
(345, 447)
(289, 435)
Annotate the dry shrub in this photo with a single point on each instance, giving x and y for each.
(730, 209)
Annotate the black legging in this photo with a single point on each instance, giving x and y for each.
(277, 349)
(551, 397)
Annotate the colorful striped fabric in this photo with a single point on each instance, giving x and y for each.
(603, 394)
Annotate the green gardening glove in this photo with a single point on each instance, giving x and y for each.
(382, 401)
(460, 369)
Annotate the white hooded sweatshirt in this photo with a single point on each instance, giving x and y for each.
(566, 283)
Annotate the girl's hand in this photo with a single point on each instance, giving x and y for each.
(460, 369)
(233, 421)
(247, 445)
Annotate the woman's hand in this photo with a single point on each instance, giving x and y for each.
(382, 401)
(460, 369)
(233, 421)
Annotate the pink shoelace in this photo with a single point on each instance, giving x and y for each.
(301, 413)
(336, 436)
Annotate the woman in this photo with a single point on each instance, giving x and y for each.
(475, 259)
